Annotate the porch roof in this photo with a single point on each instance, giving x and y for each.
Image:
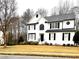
(61, 30)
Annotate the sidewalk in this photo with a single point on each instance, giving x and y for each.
(38, 52)
(42, 54)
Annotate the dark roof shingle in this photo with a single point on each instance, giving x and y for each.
(60, 17)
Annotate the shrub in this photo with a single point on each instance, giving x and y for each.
(20, 40)
(63, 44)
(22, 43)
(72, 45)
(76, 37)
(46, 43)
(68, 44)
(32, 43)
(50, 43)
(10, 41)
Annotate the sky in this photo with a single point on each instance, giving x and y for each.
(22, 5)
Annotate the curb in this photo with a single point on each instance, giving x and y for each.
(67, 55)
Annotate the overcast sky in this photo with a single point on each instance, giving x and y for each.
(35, 4)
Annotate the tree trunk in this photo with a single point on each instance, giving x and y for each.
(5, 42)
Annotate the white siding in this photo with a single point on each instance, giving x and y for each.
(58, 39)
(71, 25)
(1, 38)
(38, 31)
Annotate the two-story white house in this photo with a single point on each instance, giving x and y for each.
(55, 30)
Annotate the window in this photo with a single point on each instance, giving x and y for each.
(66, 36)
(31, 36)
(36, 15)
(31, 27)
(54, 25)
(53, 35)
(68, 23)
(41, 27)
(28, 27)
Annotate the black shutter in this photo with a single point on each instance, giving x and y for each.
(63, 37)
(50, 25)
(54, 36)
(58, 24)
(49, 36)
(34, 27)
(69, 37)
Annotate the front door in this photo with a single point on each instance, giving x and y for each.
(42, 37)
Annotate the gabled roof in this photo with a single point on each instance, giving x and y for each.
(61, 17)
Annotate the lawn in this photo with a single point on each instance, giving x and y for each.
(40, 48)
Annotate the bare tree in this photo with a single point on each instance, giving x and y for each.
(27, 15)
(42, 12)
(7, 11)
(64, 7)
(54, 11)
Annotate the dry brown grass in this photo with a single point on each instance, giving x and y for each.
(39, 48)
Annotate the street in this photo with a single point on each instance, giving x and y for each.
(30, 57)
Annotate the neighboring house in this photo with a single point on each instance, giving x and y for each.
(1, 38)
(55, 30)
